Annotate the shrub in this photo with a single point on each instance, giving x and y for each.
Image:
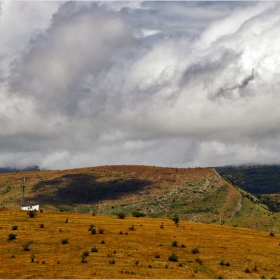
(132, 228)
(102, 242)
(162, 226)
(272, 234)
(199, 260)
(14, 227)
(93, 231)
(94, 249)
(138, 214)
(247, 270)
(173, 258)
(12, 236)
(137, 262)
(121, 215)
(31, 214)
(112, 262)
(32, 257)
(101, 231)
(176, 219)
(26, 246)
(175, 244)
(180, 265)
(183, 246)
(121, 232)
(64, 241)
(66, 221)
(157, 256)
(195, 251)
(149, 266)
(91, 227)
(42, 225)
(13, 256)
(84, 255)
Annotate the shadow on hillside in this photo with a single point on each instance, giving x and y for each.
(84, 188)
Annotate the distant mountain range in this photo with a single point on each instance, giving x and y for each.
(260, 179)
(9, 169)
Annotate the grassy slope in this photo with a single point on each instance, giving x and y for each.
(198, 194)
(241, 248)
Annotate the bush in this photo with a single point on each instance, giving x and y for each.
(199, 260)
(14, 227)
(247, 270)
(112, 262)
(121, 215)
(42, 225)
(162, 226)
(93, 231)
(157, 256)
(121, 232)
(102, 242)
(272, 234)
(84, 255)
(12, 236)
(195, 251)
(64, 241)
(101, 230)
(175, 244)
(32, 257)
(26, 246)
(138, 214)
(132, 228)
(183, 246)
(91, 227)
(31, 214)
(94, 249)
(66, 221)
(173, 258)
(176, 219)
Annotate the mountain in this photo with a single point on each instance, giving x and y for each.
(194, 194)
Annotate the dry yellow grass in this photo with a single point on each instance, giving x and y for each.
(242, 249)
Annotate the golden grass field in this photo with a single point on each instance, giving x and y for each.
(139, 253)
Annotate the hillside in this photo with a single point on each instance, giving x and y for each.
(195, 194)
(131, 248)
(261, 180)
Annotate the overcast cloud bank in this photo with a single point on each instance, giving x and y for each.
(157, 83)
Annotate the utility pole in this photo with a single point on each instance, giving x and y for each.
(22, 191)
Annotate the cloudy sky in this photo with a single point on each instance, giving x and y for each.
(180, 84)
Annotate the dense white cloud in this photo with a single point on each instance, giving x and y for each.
(157, 83)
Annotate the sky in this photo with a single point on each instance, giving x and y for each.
(176, 84)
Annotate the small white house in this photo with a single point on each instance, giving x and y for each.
(30, 207)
